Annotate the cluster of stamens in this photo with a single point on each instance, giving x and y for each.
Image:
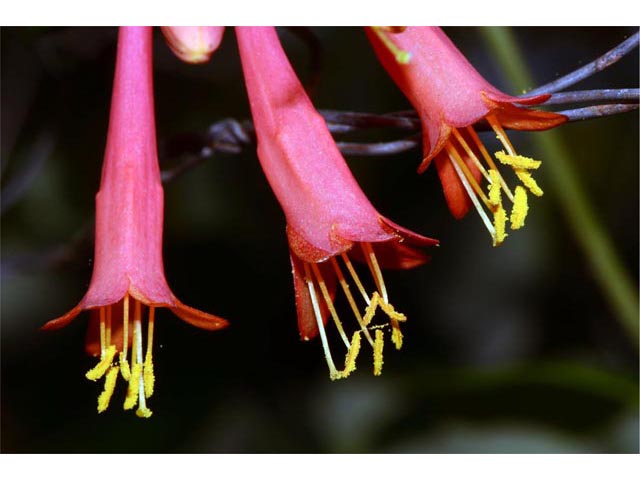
(492, 200)
(319, 292)
(139, 373)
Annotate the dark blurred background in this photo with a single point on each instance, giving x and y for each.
(512, 349)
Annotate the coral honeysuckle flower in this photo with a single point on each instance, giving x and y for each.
(329, 219)
(450, 96)
(128, 274)
(193, 44)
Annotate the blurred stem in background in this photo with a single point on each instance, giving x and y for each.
(608, 269)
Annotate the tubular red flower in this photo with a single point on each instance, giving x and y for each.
(326, 212)
(128, 269)
(193, 44)
(450, 96)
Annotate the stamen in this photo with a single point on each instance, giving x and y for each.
(495, 190)
(108, 326)
(402, 56)
(377, 353)
(102, 332)
(352, 302)
(352, 354)
(371, 309)
(457, 159)
(134, 386)
(500, 133)
(147, 369)
(109, 385)
(329, 302)
(392, 313)
(528, 181)
(396, 335)
(124, 364)
(101, 368)
(489, 160)
(474, 200)
(372, 261)
(518, 161)
(355, 277)
(333, 373)
(471, 154)
(520, 208)
(500, 221)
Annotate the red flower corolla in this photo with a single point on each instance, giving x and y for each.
(128, 273)
(450, 96)
(193, 44)
(328, 217)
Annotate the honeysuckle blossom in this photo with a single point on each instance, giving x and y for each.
(450, 96)
(128, 278)
(193, 44)
(329, 219)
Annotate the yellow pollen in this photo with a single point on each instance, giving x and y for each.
(520, 208)
(402, 56)
(125, 370)
(500, 221)
(143, 412)
(134, 386)
(493, 201)
(147, 370)
(495, 191)
(396, 335)
(518, 161)
(100, 369)
(352, 354)
(528, 181)
(318, 291)
(109, 385)
(377, 353)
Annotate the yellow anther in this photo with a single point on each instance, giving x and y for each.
(101, 368)
(402, 56)
(396, 335)
(125, 370)
(352, 354)
(144, 412)
(520, 208)
(378, 345)
(109, 386)
(371, 309)
(391, 312)
(134, 387)
(518, 161)
(528, 181)
(495, 190)
(148, 377)
(499, 222)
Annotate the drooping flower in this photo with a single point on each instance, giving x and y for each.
(329, 219)
(450, 96)
(193, 44)
(128, 274)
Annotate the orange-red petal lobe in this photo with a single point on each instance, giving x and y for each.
(196, 317)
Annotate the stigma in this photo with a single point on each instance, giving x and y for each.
(363, 324)
(136, 370)
(466, 151)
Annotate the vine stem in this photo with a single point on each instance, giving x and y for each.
(614, 280)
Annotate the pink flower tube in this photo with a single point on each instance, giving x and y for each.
(328, 216)
(450, 96)
(128, 273)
